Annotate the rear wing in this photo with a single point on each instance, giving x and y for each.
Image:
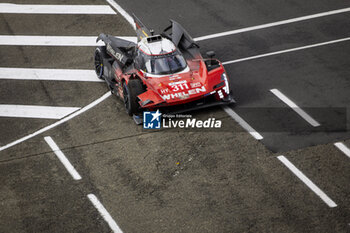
(182, 39)
(141, 29)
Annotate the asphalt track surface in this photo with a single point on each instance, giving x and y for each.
(166, 181)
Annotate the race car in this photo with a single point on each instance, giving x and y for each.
(164, 72)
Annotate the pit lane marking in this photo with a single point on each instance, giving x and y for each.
(105, 96)
(123, 13)
(287, 51)
(49, 74)
(56, 40)
(307, 181)
(104, 213)
(62, 158)
(243, 123)
(57, 123)
(130, 20)
(55, 9)
(35, 111)
(342, 147)
(225, 63)
(295, 107)
(277, 23)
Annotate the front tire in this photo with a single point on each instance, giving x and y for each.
(130, 92)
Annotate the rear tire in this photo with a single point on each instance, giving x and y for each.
(100, 54)
(130, 92)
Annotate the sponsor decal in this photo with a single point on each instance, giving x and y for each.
(179, 86)
(174, 77)
(163, 91)
(177, 83)
(196, 84)
(184, 94)
(118, 56)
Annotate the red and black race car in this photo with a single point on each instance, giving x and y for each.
(165, 72)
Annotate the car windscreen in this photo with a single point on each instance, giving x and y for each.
(165, 64)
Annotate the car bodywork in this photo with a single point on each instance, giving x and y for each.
(171, 72)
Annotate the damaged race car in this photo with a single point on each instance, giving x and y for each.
(163, 72)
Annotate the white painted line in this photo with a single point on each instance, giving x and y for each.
(286, 51)
(297, 109)
(123, 13)
(242, 123)
(307, 181)
(57, 123)
(293, 20)
(55, 40)
(62, 158)
(55, 9)
(343, 148)
(35, 111)
(104, 213)
(49, 74)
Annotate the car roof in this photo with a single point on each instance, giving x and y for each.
(156, 45)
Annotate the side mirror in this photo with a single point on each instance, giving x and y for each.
(210, 54)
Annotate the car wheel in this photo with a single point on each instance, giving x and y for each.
(100, 53)
(130, 92)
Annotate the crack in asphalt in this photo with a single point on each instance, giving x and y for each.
(95, 143)
(74, 147)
